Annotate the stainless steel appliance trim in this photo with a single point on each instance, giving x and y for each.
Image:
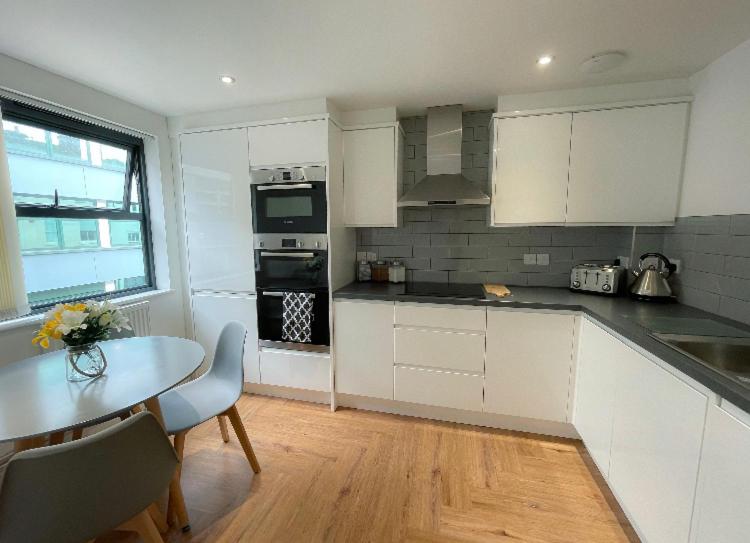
(288, 255)
(295, 174)
(277, 294)
(290, 186)
(288, 346)
(273, 242)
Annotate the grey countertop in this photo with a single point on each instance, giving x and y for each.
(631, 319)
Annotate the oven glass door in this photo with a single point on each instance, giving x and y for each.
(291, 269)
(270, 316)
(283, 208)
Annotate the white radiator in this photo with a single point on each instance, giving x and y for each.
(139, 315)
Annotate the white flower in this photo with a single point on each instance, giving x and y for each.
(105, 319)
(72, 320)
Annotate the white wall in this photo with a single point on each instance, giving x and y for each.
(717, 165)
(167, 314)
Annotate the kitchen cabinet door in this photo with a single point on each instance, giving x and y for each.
(530, 178)
(656, 446)
(212, 311)
(363, 348)
(598, 355)
(529, 364)
(721, 502)
(304, 142)
(626, 164)
(218, 212)
(371, 176)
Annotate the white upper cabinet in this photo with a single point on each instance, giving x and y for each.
(303, 142)
(372, 175)
(721, 503)
(529, 364)
(656, 447)
(218, 213)
(530, 176)
(626, 164)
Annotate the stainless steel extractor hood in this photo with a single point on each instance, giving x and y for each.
(444, 185)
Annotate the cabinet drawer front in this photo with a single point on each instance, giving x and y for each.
(439, 388)
(438, 349)
(456, 318)
(310, 371)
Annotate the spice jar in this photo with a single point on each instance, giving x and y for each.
(396, 272)
(380, 271)
(364, 272)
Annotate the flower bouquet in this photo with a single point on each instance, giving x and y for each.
(80, 326)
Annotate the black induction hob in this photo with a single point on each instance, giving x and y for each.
(445, 290)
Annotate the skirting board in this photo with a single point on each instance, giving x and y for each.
(489, 420)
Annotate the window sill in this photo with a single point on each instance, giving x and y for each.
(29, 320)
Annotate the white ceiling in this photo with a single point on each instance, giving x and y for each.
(166, 55)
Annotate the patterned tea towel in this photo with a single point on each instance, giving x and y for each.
(296, 322)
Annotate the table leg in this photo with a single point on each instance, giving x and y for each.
(29, 443)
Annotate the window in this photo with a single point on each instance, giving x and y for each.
(81, 204)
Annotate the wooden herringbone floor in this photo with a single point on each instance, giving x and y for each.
(357, 476)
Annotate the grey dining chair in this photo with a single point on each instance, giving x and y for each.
(79, 490)
(213, 394)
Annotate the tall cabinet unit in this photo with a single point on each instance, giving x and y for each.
(373, 162)
(218, 223)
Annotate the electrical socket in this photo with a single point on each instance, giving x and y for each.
(624, 261)
(529, 259)
(542, 259)
(678, 264)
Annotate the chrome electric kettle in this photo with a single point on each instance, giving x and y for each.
(651, 283)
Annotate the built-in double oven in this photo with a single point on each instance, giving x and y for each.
(291, 258)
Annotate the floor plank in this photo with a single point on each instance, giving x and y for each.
(362, 476)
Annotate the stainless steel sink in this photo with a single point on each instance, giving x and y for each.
(730, 355)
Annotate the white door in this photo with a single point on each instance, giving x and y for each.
(529, 364)
(530, 181)
(370, 177)
(363, 348)
(218, 213)
(626, 164)
(211, 311)
(302, 142)
(598, 355)
(656, 446)
(721, 505)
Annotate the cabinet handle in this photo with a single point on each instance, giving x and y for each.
(292, 186)
(289, 255)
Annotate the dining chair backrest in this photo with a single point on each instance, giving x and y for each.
(76, 491)
(227, 363)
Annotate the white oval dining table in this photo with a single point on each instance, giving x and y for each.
(36, 399)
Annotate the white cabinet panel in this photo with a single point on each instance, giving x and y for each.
(449, 316)
(371, 176)
(529, 364)
(440, 349)
(626, 164)
(218, 213)
(530, 180)
(212, 311)
(296, 369)
(289, 143)
(438, 387)
(656, 445)
(363, 348)
(598, 357)
(721, 507)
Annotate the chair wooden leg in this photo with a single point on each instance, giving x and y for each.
(144, 527)
(77, 434)
(177, 502)
(239, 429)
(29, 443)
(223, 428)
(158, 517)
(56, 438)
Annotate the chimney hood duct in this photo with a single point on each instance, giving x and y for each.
(444, 185)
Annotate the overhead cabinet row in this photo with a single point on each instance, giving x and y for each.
(606, 166)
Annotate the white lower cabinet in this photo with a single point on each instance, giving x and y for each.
(442, 388)
(593, 416)
(529, 364)
(721, 505)
(296, 369)
(363, 348)
(459, 350)
(656, 447)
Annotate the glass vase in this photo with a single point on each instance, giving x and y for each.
(84, 362)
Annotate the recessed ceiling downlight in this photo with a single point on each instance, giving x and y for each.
(544, 60)
(227, 79)
(603, 62)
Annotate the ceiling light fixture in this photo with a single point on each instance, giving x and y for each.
(227, 79)
(544, 60)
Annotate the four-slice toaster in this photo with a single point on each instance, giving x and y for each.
(598, 278)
